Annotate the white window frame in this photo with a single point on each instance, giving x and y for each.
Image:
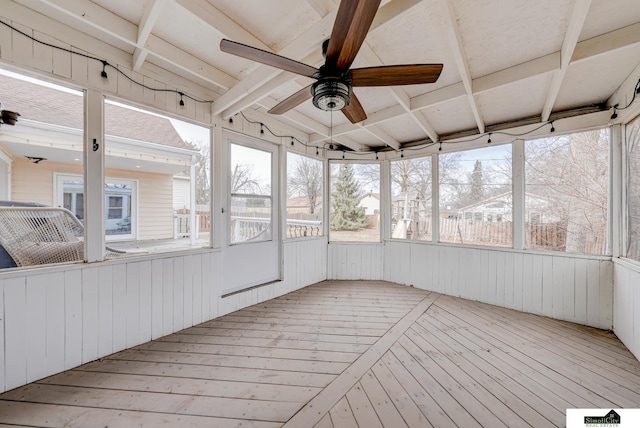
(58, 197)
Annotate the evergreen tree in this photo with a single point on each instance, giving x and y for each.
(475, 188)
(476, 193)
(346, 197)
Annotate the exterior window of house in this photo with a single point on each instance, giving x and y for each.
(566, 192)
(411, 199)
(304, 196)
(475, 188)
(355, 202)
(633, 189)
(251, 195)
(157, 190)
(114, 207)
(120, 200)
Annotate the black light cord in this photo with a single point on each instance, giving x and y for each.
(105, 64)
(183, 95)
(615, 108)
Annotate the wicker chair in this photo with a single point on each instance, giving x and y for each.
(43, 235)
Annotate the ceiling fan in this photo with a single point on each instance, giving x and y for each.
(334, 80)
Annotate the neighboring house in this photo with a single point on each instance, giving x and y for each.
(371, 204)
(143, 153)
(298, 207)
(499, 209)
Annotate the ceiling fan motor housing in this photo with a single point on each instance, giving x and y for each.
(331, 93)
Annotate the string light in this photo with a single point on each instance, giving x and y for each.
(402, 153)
(424, 145)
(317, 151)
(343, 154)
(104, 72)
(553, 128)
(292, 141)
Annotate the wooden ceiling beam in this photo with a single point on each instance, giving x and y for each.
(586, 49)
(86, 13)
(151, 14)
(460, 57)
(213, 17)
(576, 22)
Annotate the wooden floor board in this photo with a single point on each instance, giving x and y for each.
(342, 416)
(266, 343)
(362, 408)
(177, 385)
(514, 398)
(547, 404)
(591, 377)
(512, 360)
(407, 408)
(345, 354)
(186, 358)
(262, 334)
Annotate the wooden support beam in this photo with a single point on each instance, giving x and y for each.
(576, 22)
(455, 40)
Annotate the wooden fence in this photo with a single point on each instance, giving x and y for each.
(476, 232)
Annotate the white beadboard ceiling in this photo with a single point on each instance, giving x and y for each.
(504, 60)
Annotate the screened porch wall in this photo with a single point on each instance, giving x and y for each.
(58, 317)
(626, 301)
(562, 286)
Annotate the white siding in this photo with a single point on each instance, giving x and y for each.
(562, 286)
(181, 193)
(626, 302)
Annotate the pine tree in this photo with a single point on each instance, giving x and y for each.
(346, 197)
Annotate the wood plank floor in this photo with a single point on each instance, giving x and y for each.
(345, 354)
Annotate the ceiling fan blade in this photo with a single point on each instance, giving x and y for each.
(292, 101)
(352, 24)
(354, 112)
(393, 75)
(268, 58)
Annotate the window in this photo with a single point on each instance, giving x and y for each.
(355, 202)
(120, 202)
(566, 192)
(250, 188)
(411, 199)
(304, 196)
(154, 165)
(475, 188)
(633, 189)
(47, 139)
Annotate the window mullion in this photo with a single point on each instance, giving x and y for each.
(94, 176)
(518, 195)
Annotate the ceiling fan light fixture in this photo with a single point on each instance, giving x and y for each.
(331, 94)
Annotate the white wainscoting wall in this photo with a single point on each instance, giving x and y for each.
(566, 287)
(626, 304)
(354, 261)
(305, 263)
(58, 317)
